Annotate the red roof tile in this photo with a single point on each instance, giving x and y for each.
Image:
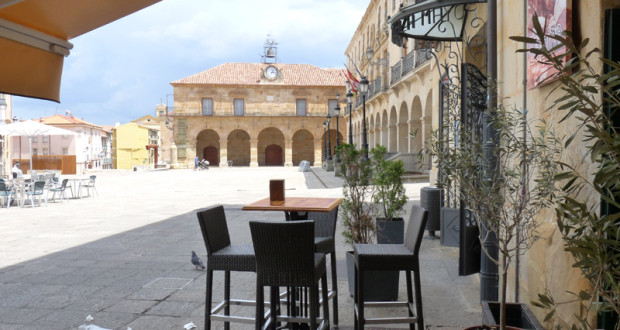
(250, 74)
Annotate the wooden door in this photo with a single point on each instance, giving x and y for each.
(273, 155)
(212, 155)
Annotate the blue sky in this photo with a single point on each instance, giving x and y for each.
(121, 71)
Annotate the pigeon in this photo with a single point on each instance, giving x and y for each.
(196, 261)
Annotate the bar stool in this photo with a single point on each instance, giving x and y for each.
(324, 241)
(285, 256)
(223, 256)
(371, 257)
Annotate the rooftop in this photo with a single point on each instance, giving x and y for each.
(250, 74)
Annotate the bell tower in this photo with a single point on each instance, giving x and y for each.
(270, 51)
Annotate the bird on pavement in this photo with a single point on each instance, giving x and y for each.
(196, 261)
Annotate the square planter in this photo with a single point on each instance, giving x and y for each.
(517, 315)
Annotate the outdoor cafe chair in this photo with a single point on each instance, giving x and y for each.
(5, 192)
(60, 190)
(37, 189)
(90, 185)
(399, 257)
(325, 242)
(223, 256)
(286, 257)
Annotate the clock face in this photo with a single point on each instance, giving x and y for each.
(271, 72)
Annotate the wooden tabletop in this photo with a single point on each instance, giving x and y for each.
(295, 204)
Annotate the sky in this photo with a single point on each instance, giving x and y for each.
(121, 71)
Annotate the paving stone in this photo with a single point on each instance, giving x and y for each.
(132, 306)
(22, 315)
(173, 308)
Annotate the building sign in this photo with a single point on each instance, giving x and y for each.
(554, 16)
(439, 20)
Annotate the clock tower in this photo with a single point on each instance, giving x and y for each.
(270, 57)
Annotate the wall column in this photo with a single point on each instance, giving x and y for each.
(223, 153)
(288, 153)
(318, 152)
(253, 153)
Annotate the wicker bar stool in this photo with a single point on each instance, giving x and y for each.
(223, 256)
(324, 242)
(285, 257)
(399, 257)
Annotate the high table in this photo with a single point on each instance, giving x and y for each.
(295, 208)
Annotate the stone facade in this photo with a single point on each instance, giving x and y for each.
(278, 121)
(401, 87)
(405, 95)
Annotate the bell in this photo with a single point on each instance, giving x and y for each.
(271, 53)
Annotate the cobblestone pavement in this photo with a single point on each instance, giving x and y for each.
(123, 257)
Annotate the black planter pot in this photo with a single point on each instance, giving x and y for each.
(517, 315)
(378, 285)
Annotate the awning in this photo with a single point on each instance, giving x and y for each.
(435, 20)
(34, 38)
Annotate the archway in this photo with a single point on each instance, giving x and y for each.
(303, 147)
(208, 146)
(239, 148)
(268, 137)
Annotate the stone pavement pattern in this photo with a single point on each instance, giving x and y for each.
(124, 257)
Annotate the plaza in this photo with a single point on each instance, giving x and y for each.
(123, 257)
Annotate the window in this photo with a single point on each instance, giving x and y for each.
(207, 107)
(35, 139)
(331, 105)
(65, 151)
(35, 151)
(393, 5)
(239, 107)
(46, 151)
(301, 107)
(46, 139)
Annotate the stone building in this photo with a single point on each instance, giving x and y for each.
(401, 83)
(416, 83)
(252, 114)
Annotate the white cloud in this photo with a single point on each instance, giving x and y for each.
(117, 72)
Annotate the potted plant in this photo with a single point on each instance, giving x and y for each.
(503, 182)
(390, 196)
(358, 215)
(589, 226)
(389, 199)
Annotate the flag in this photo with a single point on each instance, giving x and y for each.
(352, 81)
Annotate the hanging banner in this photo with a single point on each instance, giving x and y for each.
(554, 16)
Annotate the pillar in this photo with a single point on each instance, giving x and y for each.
(288, 153)
(223, 153)
(318, 152)
(253, 153)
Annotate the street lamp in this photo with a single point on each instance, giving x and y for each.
(329, 139)
(363, 90)
(350, 103)
(337, 113)
(324, 142)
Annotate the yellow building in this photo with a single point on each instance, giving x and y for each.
(129, 146)
(253, 114)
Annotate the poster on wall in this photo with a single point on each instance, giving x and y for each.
(554, 16)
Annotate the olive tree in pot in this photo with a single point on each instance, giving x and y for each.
(389, 198)
(589, 226)
(504, 195)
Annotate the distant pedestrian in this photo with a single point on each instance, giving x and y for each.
(196, 163)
